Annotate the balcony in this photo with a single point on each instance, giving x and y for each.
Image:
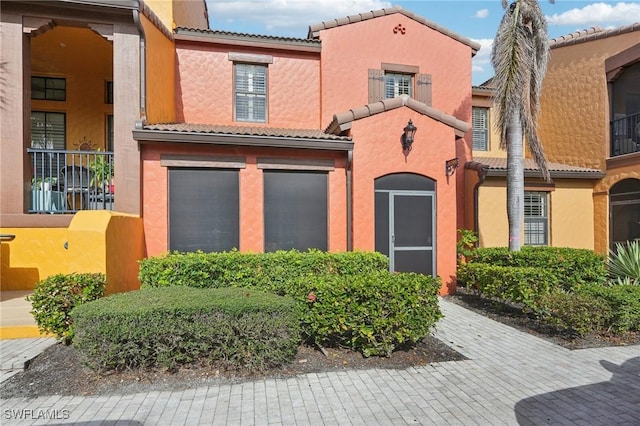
(65, 181)
(625, 135)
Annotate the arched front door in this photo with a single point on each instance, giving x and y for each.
(405, 222)
(624, 212)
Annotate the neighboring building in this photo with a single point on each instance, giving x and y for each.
(590, 131)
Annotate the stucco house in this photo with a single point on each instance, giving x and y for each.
(347, 139)
(589, 128)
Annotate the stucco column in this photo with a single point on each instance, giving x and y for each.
(14, 109)
(126, 110)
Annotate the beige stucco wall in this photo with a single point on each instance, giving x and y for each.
(571, 213)
(190, 13)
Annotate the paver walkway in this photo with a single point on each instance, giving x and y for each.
(510, 378)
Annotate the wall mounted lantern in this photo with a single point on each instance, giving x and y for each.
(450, 166)
(407, 136)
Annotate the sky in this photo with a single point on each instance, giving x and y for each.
(475, 19)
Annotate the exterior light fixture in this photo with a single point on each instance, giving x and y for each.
(450, 166)
(407, 136)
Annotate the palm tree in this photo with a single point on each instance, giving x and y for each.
(519, 57)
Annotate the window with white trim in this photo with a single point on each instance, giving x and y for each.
(397, 84)
(250, 92)
(536, 218)
(480, 124)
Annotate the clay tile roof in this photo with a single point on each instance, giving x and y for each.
(593, 33)
(314, 30)
(229, 35)
(244, 131)
(498, 167)
(345, 118)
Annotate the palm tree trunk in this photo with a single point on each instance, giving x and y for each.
(515, 180)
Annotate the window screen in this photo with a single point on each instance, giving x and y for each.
(397, 84)
(204, 209)
(250, 86)
(480, 122)
(295, 210)
(536, 219)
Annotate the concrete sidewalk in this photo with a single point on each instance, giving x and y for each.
(510, 378)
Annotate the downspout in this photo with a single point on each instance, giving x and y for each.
(143, 66)
(482, 174)
(349, 201)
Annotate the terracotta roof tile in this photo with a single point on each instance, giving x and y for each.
(593, 33)
(314, 30)
(499, 165)
(460, 127)
(244, 130)
(246, 36)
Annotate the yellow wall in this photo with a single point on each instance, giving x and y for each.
(85, 59)
(163, 10)
(161, 75)
(570, 209)
(97, 241)
(483, 99)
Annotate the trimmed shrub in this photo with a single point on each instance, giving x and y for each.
(576, 313)
(572, 267)
(624, 302)
(514, 284)
(235, 269)
(372, 313)
(176, 326)
(54, 297)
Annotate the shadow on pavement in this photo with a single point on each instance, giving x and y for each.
(606, 403)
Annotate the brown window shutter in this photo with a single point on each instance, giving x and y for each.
(423, 88)
(376, 85)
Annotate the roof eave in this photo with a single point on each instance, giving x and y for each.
(246, 40)
(558, 174)
(169, 136)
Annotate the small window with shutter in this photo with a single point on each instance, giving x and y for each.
(250, 92)
(394, 80)
(480, 124)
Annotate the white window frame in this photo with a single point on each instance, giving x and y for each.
(396, 84)
(251, 92)
(480, 125)
(536, 218)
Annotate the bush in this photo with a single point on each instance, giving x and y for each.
(624, 302)
(235, 269)
(371, 313)
(170, 327)
(624, 263)
(514, 284)
(54, 297)
(576, 313)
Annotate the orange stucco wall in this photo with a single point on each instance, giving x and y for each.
(378, 152)
(155, 206)
(205, 86)
(96, 241)
(161, 75)
(64, 52)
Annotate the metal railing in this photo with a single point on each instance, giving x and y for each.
(65, 181)
(625, 135)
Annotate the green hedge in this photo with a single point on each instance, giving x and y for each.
(371, 313)
(54, 297)
(572, 267)
(235, 269)
(624, 301)
(514, 284)
(170, 327)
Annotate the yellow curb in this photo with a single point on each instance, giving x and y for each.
(21, 332)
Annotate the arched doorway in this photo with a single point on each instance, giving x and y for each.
(624, 212)
(405, 222)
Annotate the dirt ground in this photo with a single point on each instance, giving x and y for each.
(59, 370)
